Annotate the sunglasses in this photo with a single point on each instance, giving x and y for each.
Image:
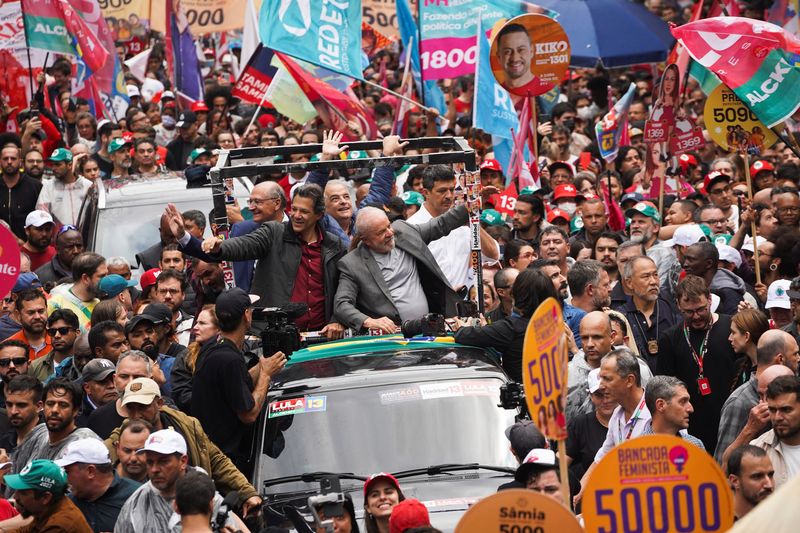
(61, 331)
(65, 228)
(18, 361)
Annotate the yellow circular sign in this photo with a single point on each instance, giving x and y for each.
(732, 125)
(530, 55)
(660, 484)
(518, 511)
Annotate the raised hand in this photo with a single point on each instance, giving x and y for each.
(175, 221)
(392, 145)
(330, 145)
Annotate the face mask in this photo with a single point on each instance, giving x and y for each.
(585, 113)
(168, 122)
(569, 207)
(569, 124)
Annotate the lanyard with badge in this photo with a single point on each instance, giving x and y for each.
(632, 422)
(702, 381)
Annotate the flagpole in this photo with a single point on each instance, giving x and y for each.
(393, 93)
(746, 158)
(258, 110)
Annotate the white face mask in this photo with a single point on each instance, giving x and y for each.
(585, 113)
(569, 207)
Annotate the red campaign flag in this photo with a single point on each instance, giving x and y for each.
(616, 220)
(335, 108)
(372, 41)
(86, 43)
(256, 77)
(505, 201)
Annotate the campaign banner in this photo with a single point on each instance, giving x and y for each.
(493, 108)
(208, 16)
(431, 92)
(256, 77)
(381, 15)
(518, 510)
(755, 59)
(318, 31)
(128, 19)
(657, 483)
(544, 370)
(9, 260)
(733, 126)
(609, 130)
(447, 29)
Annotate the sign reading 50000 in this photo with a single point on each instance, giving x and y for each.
(657, 483)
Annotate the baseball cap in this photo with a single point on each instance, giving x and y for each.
(412, 198)
(593, 380)
(40, 474)
(87, 451)
(140, 390)
(492, 218)
(197, 152)
(27, 281)
(634, 197)
(60, 154)
(186, 119)
(635, 132)
(557, 213)
(777, 294)
(794, 289)
(491, 164)
(729, 254)
(149, 278)
(117, 144)
(537, 459)
(199, 107)
(687, 160)
(233, 303)
(378, 477)
(524, 436)
(113, 284)
(747, 245)
(159, 313)
(686, 235)
(530, 189)
(565, 190)
(168, 95)
(408, 514)
(644, 208)
(97, 370)
(133, 90)
(721, 238)
(37, 219)
(165, 441)
(761, 166)
(561, 164)
(714, 177)
(136, 320)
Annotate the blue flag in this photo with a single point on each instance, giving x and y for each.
(430, 91)
(610, 129)
(321, 32)
(494, 111)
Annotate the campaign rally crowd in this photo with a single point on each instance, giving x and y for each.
(129, 404)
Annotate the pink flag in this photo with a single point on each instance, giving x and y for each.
(86, 43)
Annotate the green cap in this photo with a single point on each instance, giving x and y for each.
(61, 154)
(644, 208)
(576, 224)
(315, 157)
(117, 144)
(491, 217)
(39, 474)
(721, 238)
(412, 198)
(707, 230)
(197, 152)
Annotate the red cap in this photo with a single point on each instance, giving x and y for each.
(377, 477)
(149, 278)
(687, 160)
(199, 107)
(408, 514)
(590, 196)
(760, 166)
(713, 177)
(565, 190)
(491, 164)
(266, 120)
(557, 213)
(127, 137)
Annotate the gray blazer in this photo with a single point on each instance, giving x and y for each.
(362, 291)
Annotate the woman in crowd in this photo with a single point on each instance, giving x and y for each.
(206, 329)
(381, 494)
(747, 326)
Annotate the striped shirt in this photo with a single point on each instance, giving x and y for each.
(62, 297)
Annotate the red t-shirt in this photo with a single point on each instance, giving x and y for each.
(39, 258)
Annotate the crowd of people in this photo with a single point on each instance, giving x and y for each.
(128, 404)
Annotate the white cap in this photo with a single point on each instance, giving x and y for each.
(165, 442)
(38, 219)
(133, 90)
(747, 246)
(729, 254)
(168, 94)
(593, 380)
(540, 456)
(777, 295)
(685, 235)
(88, 451)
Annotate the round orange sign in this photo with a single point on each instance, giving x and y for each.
(518, 511)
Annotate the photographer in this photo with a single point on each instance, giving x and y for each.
(226, 398)
(507, 336)
(194, 501)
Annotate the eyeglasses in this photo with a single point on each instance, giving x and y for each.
(166, 291)
(715, 221)
(67, 227)
(790, 209)
(61, 331)
(722, 190)
(259, 201)
(16, 361)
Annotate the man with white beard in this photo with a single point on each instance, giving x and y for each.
(645, 223)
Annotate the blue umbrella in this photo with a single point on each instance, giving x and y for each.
(613, 33)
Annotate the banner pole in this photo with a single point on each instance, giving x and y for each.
(258, 110)
(393, 93)
(746, 158)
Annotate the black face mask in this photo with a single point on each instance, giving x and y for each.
(569, 124)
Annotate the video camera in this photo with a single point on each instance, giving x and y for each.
(280, 334)
(430, 325)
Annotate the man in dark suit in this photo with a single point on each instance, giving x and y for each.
(392, 276)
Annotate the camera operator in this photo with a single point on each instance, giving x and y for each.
(226, 398)
(194, 501)
(508, 335)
